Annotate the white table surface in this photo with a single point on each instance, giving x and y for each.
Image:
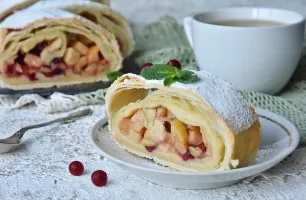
(39, 168)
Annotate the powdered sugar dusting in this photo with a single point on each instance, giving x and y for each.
(65, 4)
(29, 16)
(227, 101)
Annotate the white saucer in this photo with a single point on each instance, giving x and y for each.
(279, 139)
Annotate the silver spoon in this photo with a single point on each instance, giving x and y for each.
(13, 141)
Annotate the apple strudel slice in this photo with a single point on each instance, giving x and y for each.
(99, 14)
(188, 127)
(53, 47)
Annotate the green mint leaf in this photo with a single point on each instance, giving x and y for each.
(169, 74)
(169, 80)
(188, 77)
(112, 76)
(159, 72)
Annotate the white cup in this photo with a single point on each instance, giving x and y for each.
(252, 58)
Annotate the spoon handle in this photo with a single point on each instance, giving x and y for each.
(71, 116)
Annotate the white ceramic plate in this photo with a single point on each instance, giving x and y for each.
(279, 139)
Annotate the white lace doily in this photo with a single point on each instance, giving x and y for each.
(39, 168)
(57, 102)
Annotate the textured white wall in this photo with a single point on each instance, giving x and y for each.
(144, 11)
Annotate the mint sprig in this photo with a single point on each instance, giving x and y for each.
(169, 74)
(188, 77)
(112, 76)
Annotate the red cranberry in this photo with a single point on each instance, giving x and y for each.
(167, 126)
(56, 71)
(145, 65)
(25, 68)
(187, 156)
(18, 73)
(99, 178)
(8, 69)
(202, 147)
(49, 74)
(32, 77)
(174, 63)
(150, 148)
(76, 168)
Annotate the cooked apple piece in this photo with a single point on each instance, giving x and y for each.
(194, 136)
(138, 121)
(158, 131)
(90, 69)
(80, 64)
(124, 125)
(81, 48)
(150, 114)
(71, 56)
(170, 139)
(147, 139)
(33, 60)
(161, 112)
(164, 147)
(93, 55)
(134, 136)
(178, 128)
(195, 151)
(180, 147)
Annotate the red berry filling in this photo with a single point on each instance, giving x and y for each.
(32, 77)
(55, 72)
(82, 58)
(145, 65)
(187, 156)
(167, 126)
(202, 147)
(174, 63)
(9, 70)
(150, 148)
(76, 168)
(99, 178)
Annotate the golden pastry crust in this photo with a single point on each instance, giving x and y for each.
(229, 146)
(25, 38)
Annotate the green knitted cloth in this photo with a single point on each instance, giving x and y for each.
(165, 39)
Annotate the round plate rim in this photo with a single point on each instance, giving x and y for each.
(257, 168)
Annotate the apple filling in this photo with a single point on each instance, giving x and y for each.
(158, 129)
(81, 57)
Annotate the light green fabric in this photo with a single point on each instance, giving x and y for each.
(165, 39)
